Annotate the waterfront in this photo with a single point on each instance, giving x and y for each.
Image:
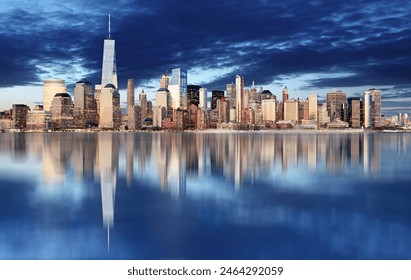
(205, 196)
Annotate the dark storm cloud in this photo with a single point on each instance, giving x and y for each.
(368, 42)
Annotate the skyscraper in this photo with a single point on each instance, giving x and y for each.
(110, 113)
(50, 89)
(62, 111)
(131, 110)
(216, 95)
(239, 95)
(164, 81)
(193, 94)
(85, 108)
(144, 106)
(19, 115)
(254, 94)
(372, 108)
(285, 94)
(337, 105)
(109, 71)
(178, 88)
(269, 110)
(354, 112)
(313, 106)
(203, 98)
(230, 89)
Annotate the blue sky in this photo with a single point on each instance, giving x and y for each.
(310, 46)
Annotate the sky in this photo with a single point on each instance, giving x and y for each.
(308, 46)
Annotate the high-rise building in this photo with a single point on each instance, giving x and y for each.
(131, 109)
(323, 117)
(230, 89)
(405, 120)
(164, 81)
(110, 112)
(266, 94)
(178, 88)
(62, 111)
(291, 110)
(163, 98)
(38, 119)
(203, 99)
(85, 108)
(354, 112)
(367, 101)
(313, 106)
(372, 108)
(159, 113)
(254, 94)
(239, 96)
(337, 105)
(303, 110)
(193, 94)
(109, 71)
(19, 115)
(216, 95)
(50, 89)
(281, 110)
(269, 110)
(285, 94)
(223, 108)
(144, 106)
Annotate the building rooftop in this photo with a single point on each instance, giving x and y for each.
(110, 86)
(62, 94)
(163, 89)
(83, 81)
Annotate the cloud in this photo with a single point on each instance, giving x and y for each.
(264, 41)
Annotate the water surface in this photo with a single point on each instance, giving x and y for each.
(205, 196)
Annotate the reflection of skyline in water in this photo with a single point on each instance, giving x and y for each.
(289, 172)
(176, 156)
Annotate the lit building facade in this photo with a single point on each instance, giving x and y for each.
(239, 98)
(291, 111)
(202, 98)
(109, 69)
(50, 89)
(223, 108)
(110, 112)
(178, 88)
(230, 94)
(354, 113)
(337, 105)
(62, 111)
(131, 109)
(372, 108)
(85, 107)
(269, 110)
(38, 119)
(313, 106)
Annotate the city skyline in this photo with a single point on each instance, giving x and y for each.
(307, 46)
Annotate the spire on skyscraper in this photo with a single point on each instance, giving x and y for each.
(109, 71)
(109, 26)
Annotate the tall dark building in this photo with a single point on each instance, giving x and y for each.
(193, 94)
(216, 95)
(19, 116)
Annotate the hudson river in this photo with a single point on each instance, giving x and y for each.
(257, 195)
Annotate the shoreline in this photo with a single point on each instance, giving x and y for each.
(227, 131)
